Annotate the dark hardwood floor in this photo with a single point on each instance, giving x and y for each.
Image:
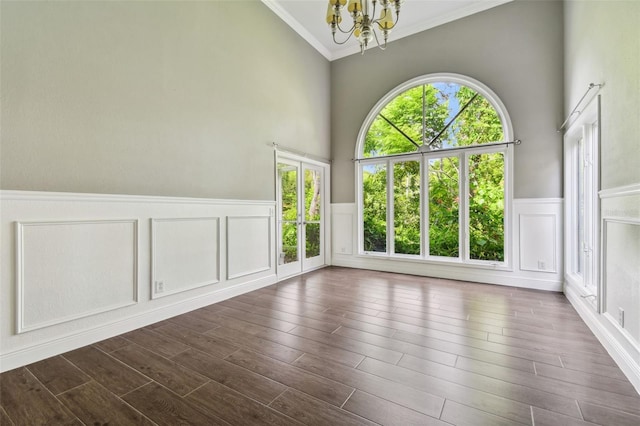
(339, 347)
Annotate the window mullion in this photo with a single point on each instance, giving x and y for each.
(463, 223)
(391, 247)
(424, 208)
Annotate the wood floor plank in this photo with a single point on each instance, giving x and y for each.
(474, 398)
(156, 342)
(212, 345)
(294, 377)
(574, 363)
(547, 418)
(57, 374)
(226, 373)
(312, 411)
(194, 323)
(168, 373)
(596, 353)
(630, 404)
(310, 346)
(257, 344)
(95, 405)
(362, 348)
(384, 412)
(257, 319)
(4, 418)
(112, 344)
(606, 416)
(236, 408)
(432, 352)
(586, 379)
(516, 392)
(399, 393)
(167, 409)
(528, 354)
(106, 370)
(27, 402)
(463, 415)
(212, 313)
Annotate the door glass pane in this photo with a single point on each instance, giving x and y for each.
(312, 211)
(444, 209)
(312, 195)
(406, 207)
(312, 236)
(374, 207)
(288, 177)
(486, 206)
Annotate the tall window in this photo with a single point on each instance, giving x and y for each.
(433, 172)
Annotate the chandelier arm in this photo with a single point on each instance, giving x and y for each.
(342, 42)
(375, 35)
(350, 30)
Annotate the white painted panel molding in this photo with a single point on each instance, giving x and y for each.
(342, 233)
(72, 269)
(77, 268)
(185, 254)
(538, 237)
(619, 281)
(248, 245)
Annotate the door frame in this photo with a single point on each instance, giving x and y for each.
(281, 155)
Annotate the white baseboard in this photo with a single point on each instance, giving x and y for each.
(59, 345)
(487, 276)
(612, 343)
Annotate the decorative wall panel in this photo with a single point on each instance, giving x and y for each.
(248, 245)
(185, 254)
(68, 270)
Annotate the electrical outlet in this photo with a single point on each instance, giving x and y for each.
(621, 317)
(159, 286)
(541, 265)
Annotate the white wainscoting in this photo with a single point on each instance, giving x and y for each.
(620, 280)
(72, 269)
(185, 254)
(248, 245)
(79, 268)
(536, 241)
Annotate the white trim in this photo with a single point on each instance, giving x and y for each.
(625, 360)
(16, 195)
(20, 273)
(620, 191)
(399, 33)
(299, 28)
(26, 355)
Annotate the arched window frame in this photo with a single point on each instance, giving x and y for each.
(507, 150)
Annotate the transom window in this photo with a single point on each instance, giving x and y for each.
(433, 173)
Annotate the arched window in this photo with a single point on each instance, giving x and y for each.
(433, 159)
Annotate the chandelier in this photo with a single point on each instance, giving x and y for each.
(363, 14)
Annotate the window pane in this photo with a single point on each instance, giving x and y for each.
(374, 203)
(486, 207)
(444, 207)
(406, 207)
(580, 205)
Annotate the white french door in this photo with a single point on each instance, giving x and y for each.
(301, 210)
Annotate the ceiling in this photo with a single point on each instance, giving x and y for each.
(307, 18)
